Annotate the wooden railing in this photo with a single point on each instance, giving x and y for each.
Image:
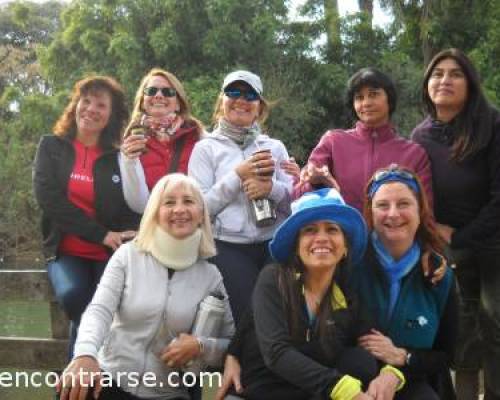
(31, 352)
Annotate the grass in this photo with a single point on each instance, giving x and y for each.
(32, 320)
(25, 319)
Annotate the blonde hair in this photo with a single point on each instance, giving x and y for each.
(149, 220)
(265, 107)
(184, 107)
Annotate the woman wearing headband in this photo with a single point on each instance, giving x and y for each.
(239, 169)
(414, 322)
(159, 138)
(305, 318)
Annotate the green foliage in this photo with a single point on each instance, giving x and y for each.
(304, 64)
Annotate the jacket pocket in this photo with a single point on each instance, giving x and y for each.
(231, 220)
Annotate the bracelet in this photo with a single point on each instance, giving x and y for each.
(397, 373)
(201, 346)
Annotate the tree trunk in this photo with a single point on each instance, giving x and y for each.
(367, 7)
(332, 19)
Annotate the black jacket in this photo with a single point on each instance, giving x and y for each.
(283, 369)
(466, 193)
(54, 163)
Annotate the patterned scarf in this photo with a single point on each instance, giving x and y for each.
(243, 137)
(395, 270)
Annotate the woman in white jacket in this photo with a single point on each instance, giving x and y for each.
(139, 322)
(232, 174)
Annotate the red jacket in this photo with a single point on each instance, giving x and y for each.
(157, 161)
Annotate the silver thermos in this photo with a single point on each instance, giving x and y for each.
(210, 316)
(208, 323)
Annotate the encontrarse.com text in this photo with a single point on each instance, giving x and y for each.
(39, 379)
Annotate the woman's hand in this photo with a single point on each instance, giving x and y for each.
(180, 351)
(116, 239)
(445, 231)
(259, 165)
(133, 146)
(382, 348)
(291, 167)
(318, 176)
(258, 188)
(384, 386)
(437, 273)
(79, 376)
(232, 375)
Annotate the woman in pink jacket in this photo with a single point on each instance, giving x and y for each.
(346, 159)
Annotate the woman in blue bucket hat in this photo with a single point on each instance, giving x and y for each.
(305, 319)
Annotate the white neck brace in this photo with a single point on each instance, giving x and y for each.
(177, 254)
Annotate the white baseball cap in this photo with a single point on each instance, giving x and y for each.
(244, 76)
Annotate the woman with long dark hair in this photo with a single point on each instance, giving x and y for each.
(299, 344)
(461, 136)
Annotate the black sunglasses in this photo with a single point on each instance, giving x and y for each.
(165, 91)
(235, 93)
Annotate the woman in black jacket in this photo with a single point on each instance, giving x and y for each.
(305, 319)
(77, 185)
(462, 137)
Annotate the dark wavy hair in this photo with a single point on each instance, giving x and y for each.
(427, 234)
(473, 126)
(291, 280)
(111, 135)
(373, 78)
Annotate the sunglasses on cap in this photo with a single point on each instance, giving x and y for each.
(166, 91)
(392, 174)
(235, 93)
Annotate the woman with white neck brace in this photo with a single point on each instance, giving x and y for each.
(141, 316)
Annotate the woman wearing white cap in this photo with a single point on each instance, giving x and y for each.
(305, 319)
(240, 171)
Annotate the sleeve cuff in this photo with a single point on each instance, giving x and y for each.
(277, 192)
(398, 373)
(346, 388)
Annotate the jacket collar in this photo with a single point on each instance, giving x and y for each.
(381, 133)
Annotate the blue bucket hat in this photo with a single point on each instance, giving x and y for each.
(320, 205)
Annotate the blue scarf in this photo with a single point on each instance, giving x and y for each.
(395, 270)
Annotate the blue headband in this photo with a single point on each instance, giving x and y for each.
(385, 176)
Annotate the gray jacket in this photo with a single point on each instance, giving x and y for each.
(134, 297)
(213, 163)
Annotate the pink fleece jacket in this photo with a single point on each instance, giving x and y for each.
(353, 155)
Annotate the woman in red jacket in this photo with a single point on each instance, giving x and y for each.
(159, 138)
